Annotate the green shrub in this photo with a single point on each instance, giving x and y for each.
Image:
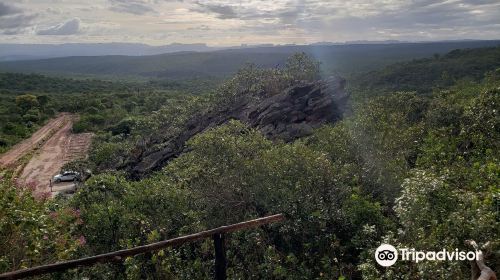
(81, 125)
(33, 115)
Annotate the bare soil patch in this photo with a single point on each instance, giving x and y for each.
(10, 158)
(53, 145)
(61, 148)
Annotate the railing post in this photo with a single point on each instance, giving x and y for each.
(220, 256)
(217, 234)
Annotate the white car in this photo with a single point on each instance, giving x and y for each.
(66, 177)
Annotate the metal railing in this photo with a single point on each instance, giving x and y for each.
(218, 235)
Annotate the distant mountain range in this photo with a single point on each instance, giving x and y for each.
(205, 62)
(9, 52)
(13, 52)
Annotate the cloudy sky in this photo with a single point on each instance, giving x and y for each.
(233, 22)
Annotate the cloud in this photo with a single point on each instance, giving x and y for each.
(6, 9)
(219, 10)
(14, 20)
(439, 15)
(136, 7)
(69, 27)
(283, 11)
(202, 27)
(250, 21)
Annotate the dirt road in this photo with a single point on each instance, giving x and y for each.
(61, 148)
(9, 158)
(50, 155)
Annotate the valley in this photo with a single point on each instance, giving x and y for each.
(403, 150)
(242, 140)
(345, 59)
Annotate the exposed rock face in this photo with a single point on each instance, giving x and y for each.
(292, 114)
(296, 111)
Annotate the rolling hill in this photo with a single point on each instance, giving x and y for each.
(439, 71)
(344, 59)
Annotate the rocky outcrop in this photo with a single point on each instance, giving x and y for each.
(292, 114)
(296, 111)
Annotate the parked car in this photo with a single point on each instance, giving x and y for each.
(67, 176)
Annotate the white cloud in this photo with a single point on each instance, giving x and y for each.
(69, 27)
(136, 7)
(229, 22)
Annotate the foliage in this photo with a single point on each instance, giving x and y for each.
(119, 214)
(26, 102)
(406, 168)
(233, 173)
(437, 72)
(301, 67)
(378, 145)
(155, 127)
(452, 194)
(42, 232)
(172, 69)
(19, 83)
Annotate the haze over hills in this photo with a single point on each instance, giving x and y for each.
(343, 59)
(12, 52)
(9, 52)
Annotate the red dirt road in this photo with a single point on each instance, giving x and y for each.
(62, 147)
(26, 146)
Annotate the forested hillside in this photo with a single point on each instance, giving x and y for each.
(439, 71)
(344, 59)
(21, 83)
(417, 167)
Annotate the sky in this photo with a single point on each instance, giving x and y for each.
(227, 23)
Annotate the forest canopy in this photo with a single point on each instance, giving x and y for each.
(411, 168)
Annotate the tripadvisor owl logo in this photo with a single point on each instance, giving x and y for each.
(386, 255)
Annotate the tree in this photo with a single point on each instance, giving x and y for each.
(123, 127)
(435, 215)
(234, 173)
(26, 102)
(301, 67)
(33, 115)
(42, 233)
(43, 100)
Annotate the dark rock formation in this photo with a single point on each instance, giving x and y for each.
(292, 114)
(296, 111)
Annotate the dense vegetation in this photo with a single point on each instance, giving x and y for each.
(411, 169)
(20, 116)
(27, 101)
(19, 83)
(344, 59)
(437, 72)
